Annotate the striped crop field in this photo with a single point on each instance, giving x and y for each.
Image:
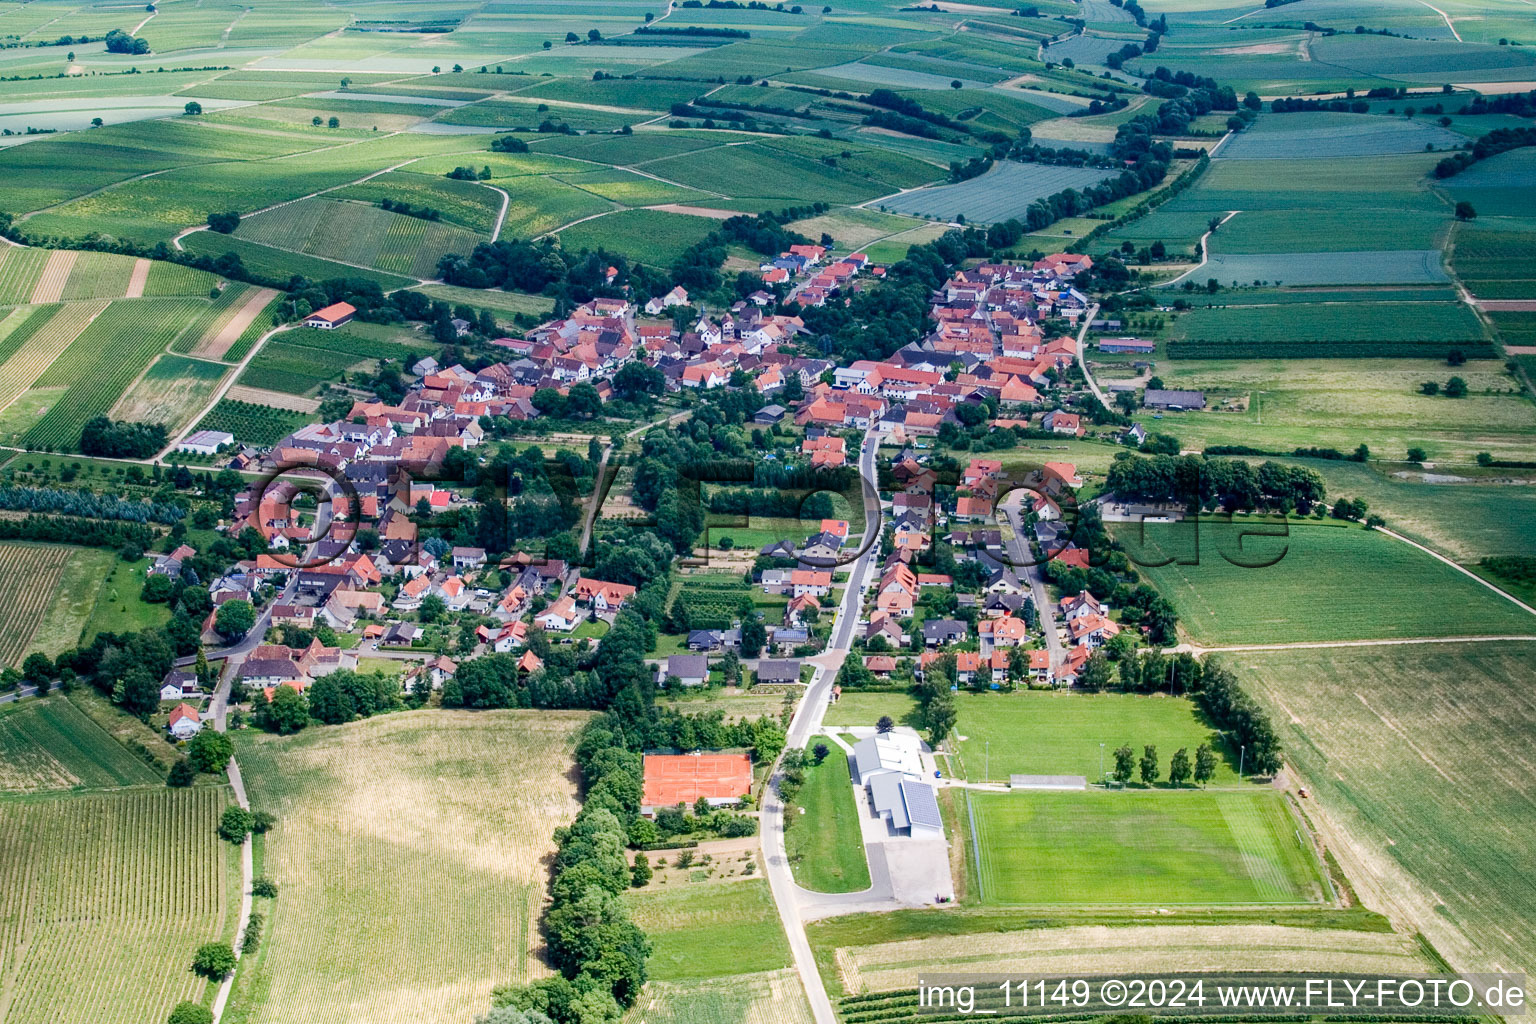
(99, 365)
(50, 744)
(172, 391)
(437, 822)
(38, 348)
(19, 270)
(175, 279)
(28, 575)
(99, 275)
(105, 897)
(209, 320)
(355, 232)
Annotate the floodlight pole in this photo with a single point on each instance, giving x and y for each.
(1242, 751)
(986, 763)
(1101, 762)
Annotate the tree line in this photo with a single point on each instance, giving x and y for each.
(1209, 482)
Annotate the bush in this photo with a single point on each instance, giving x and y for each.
(210, 751)
(182, 774)
(213, 960)
(190, 1013)
(224, 223)
(235, 824)
(264, 887)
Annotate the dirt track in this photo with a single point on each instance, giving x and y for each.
(230, 333)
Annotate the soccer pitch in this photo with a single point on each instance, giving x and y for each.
(1133, 848)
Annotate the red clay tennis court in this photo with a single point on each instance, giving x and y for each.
(683, 778)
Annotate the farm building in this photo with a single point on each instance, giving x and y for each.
(890, 766)
(1155, 399)
(671, 779)
(1141, 346)
(332, 316)
(205, 442)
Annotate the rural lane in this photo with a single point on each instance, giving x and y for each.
(1082, 360)
(220, 708)
(1205, 249)
(805, 724)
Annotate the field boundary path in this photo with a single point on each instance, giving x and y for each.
(1448, 22)
(1205, 250)
(224, 386)
(1314, 645)
(247, 858)
(1082, 360)
(506, 202)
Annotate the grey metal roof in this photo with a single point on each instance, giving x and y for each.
(688, 666)
(922, 805)
(885, 792)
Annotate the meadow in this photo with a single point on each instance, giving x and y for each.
(1418, 758)
(1139, 848)
(709, 929)
(1319, 582)
(74, 597)
(826, 845)
(774, 997)
(172, 391)
(299, 361)
(1034, 732)
(436, 821)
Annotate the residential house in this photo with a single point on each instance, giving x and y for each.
(184, 722)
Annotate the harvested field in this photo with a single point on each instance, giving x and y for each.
(1153, 948)
(28, 575)
(435, 821)
(228, 329)
(50, 286)
(1420, 758)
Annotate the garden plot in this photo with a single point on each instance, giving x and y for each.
(1003, 192)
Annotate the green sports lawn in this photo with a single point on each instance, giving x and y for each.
(1326, 582)
(1139, 848)
(1049, 733)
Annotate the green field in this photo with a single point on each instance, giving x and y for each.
(359, 233)
(825, 846)
(1417, 753)
(251, 423)
(98, 366)
(1325, 582)
(1048, 733)
(439, 822)
(49, 745)
(1137, 848)
(707, 930)
(655, 237)
(280, 264)
(300, 361)
(1299, 330)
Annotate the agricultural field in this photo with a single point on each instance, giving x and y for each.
(1412, 266)
(299, 361)
(775, 996)
(1285, 404)
(50, 745)
(1003, 192)
(172, 391)
(1415, 756)
(1307, 584)
(93, 914)
(74, 597)
(655, 237)
(252, 423)
(826, 845)
(1327, 329)
(1045, 733)
(1496, 262)
(1326, 135)
(1141, 848)
(91, 374)
(280, 264)
(437, 821)
(710, 928)
(355, 233)
(28, 575)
